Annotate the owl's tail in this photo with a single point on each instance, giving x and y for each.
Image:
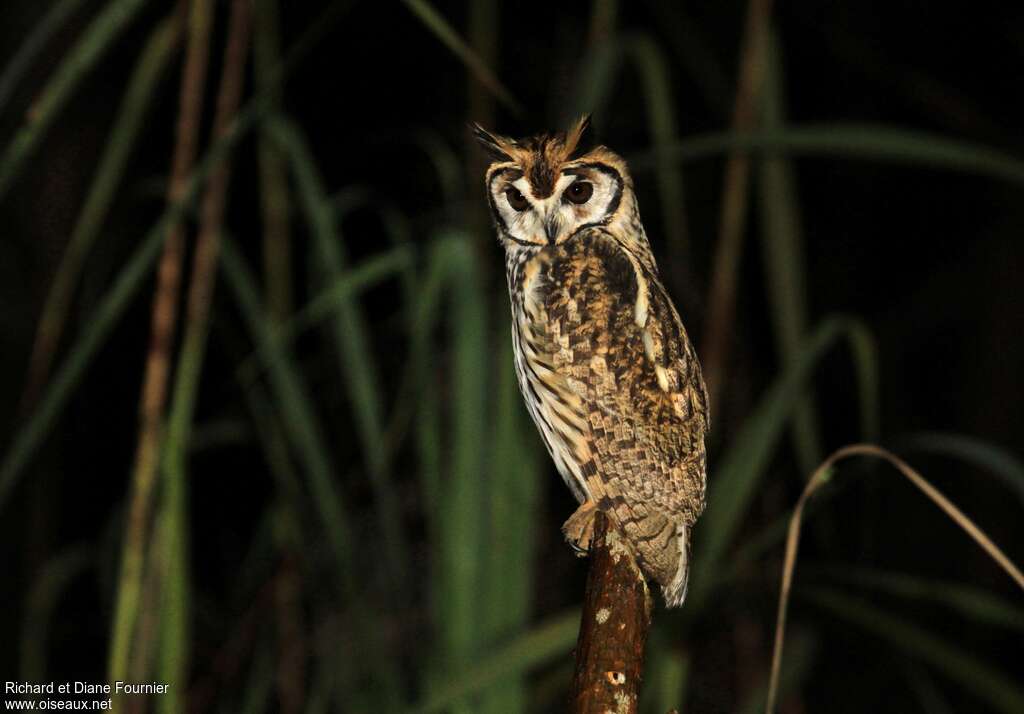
(674, 591)
(662, 547)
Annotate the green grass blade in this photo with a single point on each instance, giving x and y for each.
(153, 62)
(302, 426)
(52, 580)
(603, 18)
(735, 477)
(335, 296)
(697, 59)
(764, 541)
(795, 670)
(175, 586)
(462, 545)
(274, 190)
(300, 420)
(176, 608)
(342, 290)
(393, 222)
(399, 233)
(483, 34)
(984, 681)
(113, 305)
(545, 642)
(274, 444)
(927, 691)
(356, 361)
(864, 355)
(304, 431)
(849, 141)
(96, 40)
(31, 434)
(652, 66)
(86, 53)
(320, 689)
(513, 486)
(994, 459)
(666, 680)
(596, 86)
(971, 602)
(36, 41)
(428, 419)
(443, 31)
(783, 256)
(450, 176)
(258, 689)
(597, 80)
(456, 505)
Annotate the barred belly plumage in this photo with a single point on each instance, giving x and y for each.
(558, 421)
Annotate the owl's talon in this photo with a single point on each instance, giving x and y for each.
(579, 528)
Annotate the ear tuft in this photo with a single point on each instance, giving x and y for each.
(580, 137)
(494, 145)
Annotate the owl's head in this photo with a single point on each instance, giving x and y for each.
(545, 189)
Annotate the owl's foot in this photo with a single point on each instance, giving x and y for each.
(579, 529)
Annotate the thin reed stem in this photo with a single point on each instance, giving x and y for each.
(276, 201)
(733, 218)
(820, 477)
(21, 62)
(163, 324)
(475, 65)
(175, 632)
(83, 56)
(138, 97)
(603, 19)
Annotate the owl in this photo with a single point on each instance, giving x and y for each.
(604, 363)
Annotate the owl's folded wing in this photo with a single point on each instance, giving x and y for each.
(621, 346)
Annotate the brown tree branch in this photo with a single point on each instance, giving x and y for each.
(613, 629)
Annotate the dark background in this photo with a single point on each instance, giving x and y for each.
(926, 253)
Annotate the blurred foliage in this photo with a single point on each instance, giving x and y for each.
(369, 522)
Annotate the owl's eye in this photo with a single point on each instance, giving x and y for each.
(580, 192)
(516, 199)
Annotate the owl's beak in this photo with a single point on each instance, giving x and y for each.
(551, 228)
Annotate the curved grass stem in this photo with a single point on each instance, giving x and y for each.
(820, 477)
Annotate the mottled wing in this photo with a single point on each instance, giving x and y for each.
(621, 346)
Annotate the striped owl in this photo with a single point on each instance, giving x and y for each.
(604, 363)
